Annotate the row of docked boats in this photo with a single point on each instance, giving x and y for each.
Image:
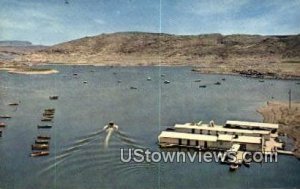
(6, 116)
(41, 144)
(48, 115)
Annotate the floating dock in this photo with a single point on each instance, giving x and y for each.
(251, 136)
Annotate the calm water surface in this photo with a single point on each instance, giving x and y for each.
(78, 157)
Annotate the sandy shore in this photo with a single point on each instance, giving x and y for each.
(29, 71)
(288, 120)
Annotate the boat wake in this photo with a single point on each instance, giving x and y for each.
(96, 151)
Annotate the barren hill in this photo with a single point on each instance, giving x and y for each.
(212, 52)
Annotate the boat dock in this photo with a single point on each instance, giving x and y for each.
(234, 136)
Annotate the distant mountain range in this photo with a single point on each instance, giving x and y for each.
(15, 43)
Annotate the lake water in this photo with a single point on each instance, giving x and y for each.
(78, 157)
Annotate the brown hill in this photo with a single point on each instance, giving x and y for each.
(211, 51)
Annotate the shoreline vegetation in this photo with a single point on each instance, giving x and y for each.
(287, 118)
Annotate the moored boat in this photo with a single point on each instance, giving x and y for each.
(40, 153)
(5, 116)
(2, 124)
(40, 147)
(53, 97)
(247, 164)
(217, 83)
(44, 126)
(49, 110)
(40, 141)
(202, 86)
(46, 119)
(13, 104)
(166, 82)
(43, 137)
(233, 167)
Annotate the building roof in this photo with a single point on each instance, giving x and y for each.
(188, 136)
(220, 128)
(240, 139)
(252, 124)
(200, 137)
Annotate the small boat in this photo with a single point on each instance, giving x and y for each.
(50, 110)
(202, 86)
(119, 81)
(40, 153)
(0, 133)
(133, 88)
(48, 113)
(2, 124)
(40, 141)
(223, 79)
(53, 97)
(46, 119)
(163, 75)
(166, 82)
(261, 80)
(217, 83)
(75, 73)
(111, 125)
(44, 126)
(170, 129)
(40, 147)
(48, 116)
(13, 104)
(198, 80)
(5, 116)
(233, 167)
(85, 82)
(148, 78)
(247, 164)
(43, 137)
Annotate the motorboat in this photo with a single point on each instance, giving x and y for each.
(2, 124)
(166, 82)
(111, 125)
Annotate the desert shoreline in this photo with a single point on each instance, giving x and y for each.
(16, 67)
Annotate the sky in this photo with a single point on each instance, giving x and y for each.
(49, 22)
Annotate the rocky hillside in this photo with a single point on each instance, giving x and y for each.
(277, 56)
(151, 48)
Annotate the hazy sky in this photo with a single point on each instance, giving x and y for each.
(53, 21)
